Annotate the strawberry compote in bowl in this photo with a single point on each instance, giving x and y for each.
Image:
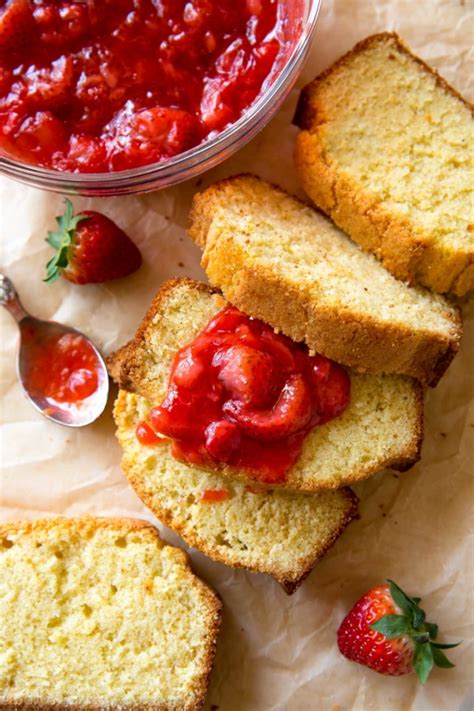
(109, 97)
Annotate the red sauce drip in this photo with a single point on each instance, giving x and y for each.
(146, 435)
(64, 369)
(213, 496)
(107, 85)
(242, 395)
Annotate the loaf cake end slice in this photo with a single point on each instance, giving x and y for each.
(279, 260)
(387, 151)
(100, 613)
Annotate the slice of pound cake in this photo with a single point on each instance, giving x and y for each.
(274, 532)
(101, 614)
(387, 151)
(283, 262)
(381, 427)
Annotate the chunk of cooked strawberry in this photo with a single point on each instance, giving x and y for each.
(62, 22)
(332, 386)
(281, 348)
(92, 88)
(215, 110)
(226, 320)
(39, 137)
(86, 154)
(171, 419)
(16, 25)
(150, 135)
(240, 71)
(188, 368)
(291, 413)
(6, 80)
(222, 440)
(50, 87)
(254, 7)
(196, 13)
(248, 375)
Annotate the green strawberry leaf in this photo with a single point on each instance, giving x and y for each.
(52, 273)
(391, 626)
(64, 219)
(62, 257)
(432, 629)
(423, 661)
(418, 616)
(54, 239)
(405, 603)
(62, 241)
(440, 659)
(412, 623)
(74, 221)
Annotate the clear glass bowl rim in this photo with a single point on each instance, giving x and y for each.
(191, 162)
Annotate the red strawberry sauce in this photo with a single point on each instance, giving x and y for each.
(106, 85)
(245, 396)
(146, 435)
(64, 369)
(214, 496)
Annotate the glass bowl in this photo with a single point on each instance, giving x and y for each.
(196, 160)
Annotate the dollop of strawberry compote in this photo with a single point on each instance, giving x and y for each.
(63, 368)
(106, 85)
(244, 396)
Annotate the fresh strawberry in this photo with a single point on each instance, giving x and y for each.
(91, 249)
(16, 24)
(291, 412)
(387, 632)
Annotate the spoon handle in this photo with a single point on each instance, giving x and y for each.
(9, 299)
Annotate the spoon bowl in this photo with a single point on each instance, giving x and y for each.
(47, 349)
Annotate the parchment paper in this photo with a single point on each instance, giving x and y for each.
(275, 652)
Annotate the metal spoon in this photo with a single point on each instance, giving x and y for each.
(34, 333)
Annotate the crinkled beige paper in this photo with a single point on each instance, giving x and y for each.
(275, 653)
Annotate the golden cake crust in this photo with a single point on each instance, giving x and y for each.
(341, 333)
(410, 252)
